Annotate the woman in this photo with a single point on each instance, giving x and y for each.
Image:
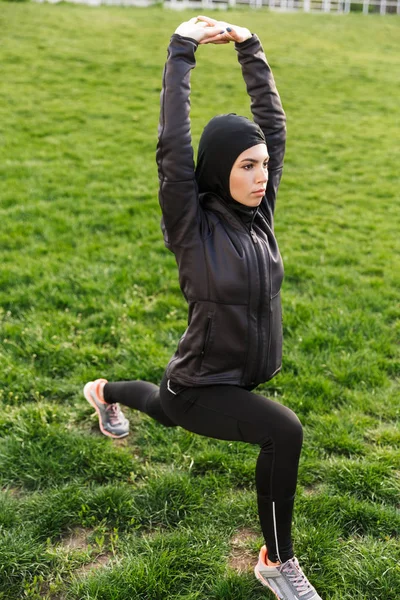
(218, 221)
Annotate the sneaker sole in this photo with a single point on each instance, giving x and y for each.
(263, 582)
(89, 398)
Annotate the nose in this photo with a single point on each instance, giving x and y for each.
(262, 176)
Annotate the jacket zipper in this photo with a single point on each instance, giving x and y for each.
(254, 237)
(260, 304)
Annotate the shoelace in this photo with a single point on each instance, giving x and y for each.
(115, 414)
(292, 569)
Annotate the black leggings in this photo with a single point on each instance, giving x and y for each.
(228, 412)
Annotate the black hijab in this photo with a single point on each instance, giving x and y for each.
(222, 140)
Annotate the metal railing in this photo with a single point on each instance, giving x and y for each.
(328, 6)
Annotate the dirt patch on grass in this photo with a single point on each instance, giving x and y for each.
(100, 561)
(310, 491)
(77, 539)
(243, 557)
(121, 443)
(14, 492)
(314, 489)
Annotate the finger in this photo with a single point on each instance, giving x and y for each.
(215, 42)
(194, 21)
(232, 34)
(223, 24)
(216, 39)
(213, 32)
(208, 20)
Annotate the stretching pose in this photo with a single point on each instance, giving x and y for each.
(218, 220)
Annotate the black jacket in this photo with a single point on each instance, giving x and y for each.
(230, 276)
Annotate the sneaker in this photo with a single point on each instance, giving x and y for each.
(112, 421)
(286, 581)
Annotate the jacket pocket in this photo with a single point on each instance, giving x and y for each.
(225, 342)
(207, 335)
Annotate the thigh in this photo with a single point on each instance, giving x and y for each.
(228, 412)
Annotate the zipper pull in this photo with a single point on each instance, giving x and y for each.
(254, 236)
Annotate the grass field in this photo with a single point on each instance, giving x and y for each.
(88, 290)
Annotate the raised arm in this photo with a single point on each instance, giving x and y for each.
(266, 105)
(178, 190)
(266, 108)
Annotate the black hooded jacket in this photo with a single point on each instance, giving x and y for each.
(230, 270)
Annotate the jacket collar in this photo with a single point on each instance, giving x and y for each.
(215, 204)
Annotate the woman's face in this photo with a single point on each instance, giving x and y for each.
(249, 176)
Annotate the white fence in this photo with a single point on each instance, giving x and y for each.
(327, 6)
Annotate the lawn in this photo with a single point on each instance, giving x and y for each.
(87, 289)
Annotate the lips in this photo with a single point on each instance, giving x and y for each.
(260, 191)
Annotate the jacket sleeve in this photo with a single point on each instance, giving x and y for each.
(178, 194)
(267, 111)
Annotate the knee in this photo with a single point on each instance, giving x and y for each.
(287, 431)
(292, 429)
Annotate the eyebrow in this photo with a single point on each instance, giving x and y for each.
(253, 160)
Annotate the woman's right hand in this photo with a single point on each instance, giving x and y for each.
(200, 30)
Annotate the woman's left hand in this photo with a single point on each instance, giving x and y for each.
(232, 33)
(200, 30)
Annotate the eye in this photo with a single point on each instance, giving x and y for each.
(248, 167)
(265, 165)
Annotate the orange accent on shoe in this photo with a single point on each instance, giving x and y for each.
(265, 559)
(100, 383)
(264, 555)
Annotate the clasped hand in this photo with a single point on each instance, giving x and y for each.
(210, 31)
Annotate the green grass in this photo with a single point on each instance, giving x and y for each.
(87, 289)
